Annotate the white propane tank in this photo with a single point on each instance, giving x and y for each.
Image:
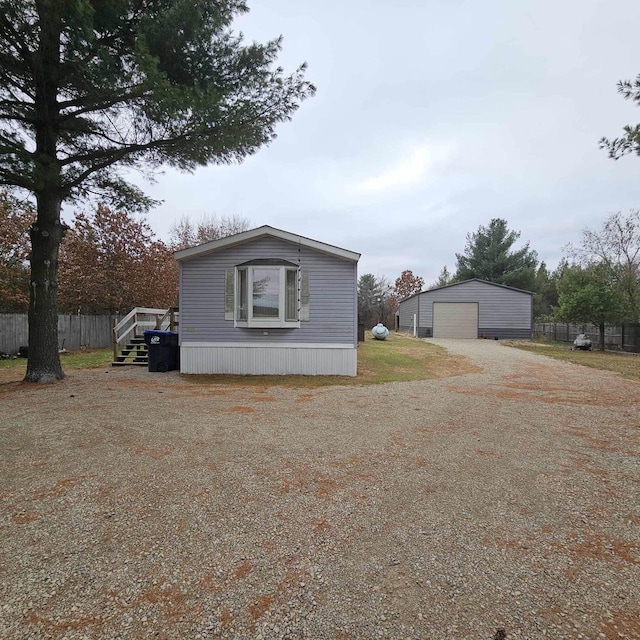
(380, 332)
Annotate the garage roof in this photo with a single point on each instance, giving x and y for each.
(457, 284)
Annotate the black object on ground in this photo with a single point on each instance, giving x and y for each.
(163, 350)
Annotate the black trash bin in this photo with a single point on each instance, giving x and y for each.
(163, 350)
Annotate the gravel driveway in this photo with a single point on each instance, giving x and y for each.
(139, 505)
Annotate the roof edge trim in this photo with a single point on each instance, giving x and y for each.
(261, 232)
(455, 284)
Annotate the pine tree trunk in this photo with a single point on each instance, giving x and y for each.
(44, 362)
(43, 365)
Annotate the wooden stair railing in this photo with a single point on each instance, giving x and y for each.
(128, 334)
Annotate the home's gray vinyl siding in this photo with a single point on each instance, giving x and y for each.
(503, 312)
(406, 312)
(332, 282)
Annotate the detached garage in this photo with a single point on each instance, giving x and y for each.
(469, 309)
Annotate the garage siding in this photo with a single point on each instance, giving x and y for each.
(503, 312)
(406, 312)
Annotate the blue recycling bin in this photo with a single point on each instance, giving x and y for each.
(163, 350)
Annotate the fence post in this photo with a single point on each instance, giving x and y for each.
(113, 339)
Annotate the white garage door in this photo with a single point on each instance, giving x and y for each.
(455, 319)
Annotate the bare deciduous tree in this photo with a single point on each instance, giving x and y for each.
(185, 233)
(616, 246)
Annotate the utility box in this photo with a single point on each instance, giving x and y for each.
(163, 350)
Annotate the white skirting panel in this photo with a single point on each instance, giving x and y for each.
(236, 358)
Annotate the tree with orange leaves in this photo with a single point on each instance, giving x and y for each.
(408, 284)
(111, 262)
(15, 219)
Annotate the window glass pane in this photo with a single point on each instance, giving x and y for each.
(291, 295)
(243, 298)
(266, 292)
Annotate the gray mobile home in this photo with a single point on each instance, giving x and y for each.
(470, 309)
(267, 301)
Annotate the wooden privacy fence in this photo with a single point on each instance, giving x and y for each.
(74, 332)
(624, 338)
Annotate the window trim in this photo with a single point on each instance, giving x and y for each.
(265, 323)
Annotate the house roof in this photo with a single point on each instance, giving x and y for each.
(456, 284)
(262, 232)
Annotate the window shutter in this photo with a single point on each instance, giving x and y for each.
(229, 294)
(304, 295)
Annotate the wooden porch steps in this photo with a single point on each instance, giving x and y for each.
(129, 347)
(135, 352)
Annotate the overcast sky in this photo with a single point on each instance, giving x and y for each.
(431, 118)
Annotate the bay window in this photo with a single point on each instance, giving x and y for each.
(266, 293)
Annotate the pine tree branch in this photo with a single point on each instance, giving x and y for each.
(11, 179)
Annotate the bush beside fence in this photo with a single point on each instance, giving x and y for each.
(74, 332)
(625, 338)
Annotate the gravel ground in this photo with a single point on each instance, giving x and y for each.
(140, 505)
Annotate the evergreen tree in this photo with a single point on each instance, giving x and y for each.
(545, 289)
(443, 280)
(630, 142)
(92, 88)
(488, 255)
(376, 301)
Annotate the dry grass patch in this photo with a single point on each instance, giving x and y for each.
(14, 370)
(626, 364)
(399, 358)
(403, 358)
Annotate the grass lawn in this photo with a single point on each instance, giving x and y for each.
(404, 358)
(399, 358)
(626, 364)
(90, 359)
